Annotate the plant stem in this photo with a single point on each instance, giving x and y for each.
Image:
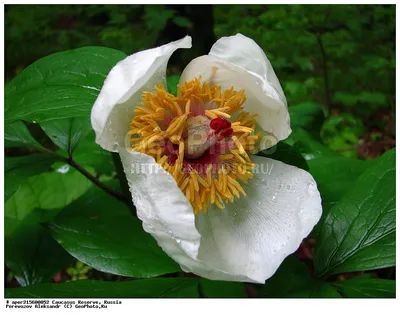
(97, 182)
(89, 176)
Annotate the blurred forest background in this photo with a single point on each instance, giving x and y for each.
(339, 56)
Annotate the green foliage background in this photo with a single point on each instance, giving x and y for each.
(336, 64)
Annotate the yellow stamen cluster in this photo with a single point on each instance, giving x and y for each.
(162, 120)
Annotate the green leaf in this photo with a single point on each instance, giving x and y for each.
(318, 289)
(40, 197)
(287, 154)
(19, 169)
(293, 279)
(66, 133)
(308, 116)
(366, 288)
(156, 288)
(33, 255)
(89, 153)
(335, 175)
(61, 85)
(359, 232)
(291, 276)
(17, 134)
(222, 289)
(101, 232)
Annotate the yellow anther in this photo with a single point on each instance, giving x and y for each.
(187, 108)
(213, 113)
(238, 145)
(226, 157)
(194, 180)
(185, 183)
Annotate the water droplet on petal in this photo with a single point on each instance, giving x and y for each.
(311, 188)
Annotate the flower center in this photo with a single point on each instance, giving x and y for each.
(203, 133)
(200, 137)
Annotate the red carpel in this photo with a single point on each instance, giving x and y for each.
(219, 123)
(226, 133)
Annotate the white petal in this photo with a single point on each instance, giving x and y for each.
(160, 204)
(122, 89)
(239, 62)
(244, 52)
(165, 212)
(248, 240)
(251, 237)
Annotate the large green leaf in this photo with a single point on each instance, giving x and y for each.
(287, 154)
(19, 169)
(16, 134)
(146, 288)
(30, 252)
(293, 279)
(89, 153)
(359, 232)
(33, 255)
(61, 85)
(41, 197)
(366, 288)
(335, 175)
(101, 232)
(66, 133)
(222, 289)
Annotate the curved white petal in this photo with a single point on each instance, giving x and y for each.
(122, 89)
(248, 240)
(166, 213)
(244, 52)
(160, 204)
(251, 237)
(239, 62)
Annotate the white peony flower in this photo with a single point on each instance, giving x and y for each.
(217, 210)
